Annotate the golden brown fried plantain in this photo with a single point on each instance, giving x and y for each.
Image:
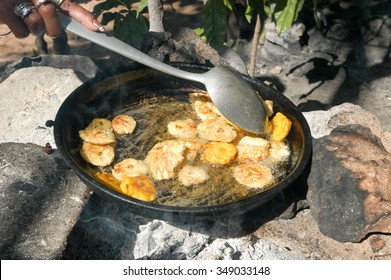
(219, 153)
(139, 187)
(281, 127)
(109, 180)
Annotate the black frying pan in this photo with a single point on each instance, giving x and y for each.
(101, 96)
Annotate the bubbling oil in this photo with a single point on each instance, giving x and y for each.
(152, 116)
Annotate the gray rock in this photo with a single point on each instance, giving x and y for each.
(40, 198)
(84, 66)
(350, 184)
(279, 47)
(323, 122)
(293, 34)
(275, 53)
(25, 107)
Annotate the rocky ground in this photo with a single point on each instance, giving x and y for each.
(334, 66)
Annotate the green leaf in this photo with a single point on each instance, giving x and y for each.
(141, 7)
(129, 28)
(267, 8)
(249, 13)
(286, 13)
(228, 4)
(315, 3)
(200, 32)
(215, 21)
(317, 19)
(107, 17)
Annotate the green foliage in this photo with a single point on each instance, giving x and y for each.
(129, 24)
(200, 32)
(215, 20)
(317, 19)
(286, 13)
(143, 5)
(283, 12)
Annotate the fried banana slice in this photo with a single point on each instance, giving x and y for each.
(123, 124)
(129, 167)
(98, 155)
(97, 136)
(281, 126)
(252, 149)
(216, 130)
(183, 129)
(192, 175)
(253, 175)
(219, 153)
(254, 142)
(203, 106)
(109, 180)
(139, 187)
(98, 132)
(164, 158)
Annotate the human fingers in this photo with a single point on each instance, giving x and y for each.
(44, 16)
(48, 13)
(29, 15)
(79, 13)
(17, 27)
(31, 18)
(14, 22)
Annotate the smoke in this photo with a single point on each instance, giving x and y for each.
(105, 230)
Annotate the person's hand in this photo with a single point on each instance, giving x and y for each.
(24, 17)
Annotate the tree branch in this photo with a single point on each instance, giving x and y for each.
(254, 47)
(156, 14)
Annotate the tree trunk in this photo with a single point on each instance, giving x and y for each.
(156, 13)
(254, 47)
